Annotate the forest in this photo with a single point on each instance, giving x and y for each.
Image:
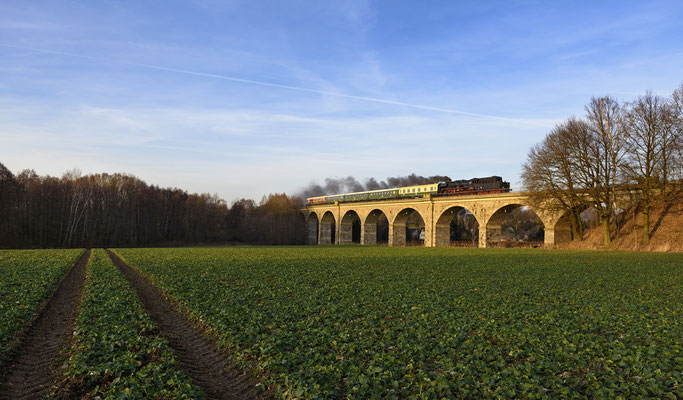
(103, 210)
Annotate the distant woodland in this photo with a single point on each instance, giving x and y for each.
(77, 210)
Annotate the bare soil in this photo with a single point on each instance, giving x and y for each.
(199, 356)
(34, 366)
(666, 228)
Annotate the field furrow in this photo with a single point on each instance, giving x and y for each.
(33, 366)
(117, 352)
(29, 277)
(207, 366)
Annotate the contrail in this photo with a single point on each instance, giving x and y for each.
(275, 85)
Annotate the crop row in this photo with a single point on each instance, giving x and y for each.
(117, 352)
(421, 323)
(28, 278)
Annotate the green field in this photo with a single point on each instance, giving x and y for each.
(116, 352)
(27, 278)
(360, 322)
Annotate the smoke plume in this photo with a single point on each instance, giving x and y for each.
(351, 184)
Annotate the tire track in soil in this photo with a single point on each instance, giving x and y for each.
(206, 365)
(32, 367)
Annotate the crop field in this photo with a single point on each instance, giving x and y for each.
(27, 277)
(369, 322)
(340, 322)
(117, 353)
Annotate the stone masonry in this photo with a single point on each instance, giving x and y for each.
(332, 223)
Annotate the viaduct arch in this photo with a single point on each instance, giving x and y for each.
(393, 221)
(375, 228)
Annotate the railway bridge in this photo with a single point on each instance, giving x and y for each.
(333, 223)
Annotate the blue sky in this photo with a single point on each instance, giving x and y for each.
(243, 98)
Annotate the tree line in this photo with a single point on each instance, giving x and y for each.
(121, 210)
(617, 147)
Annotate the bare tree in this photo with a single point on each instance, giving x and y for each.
(578, 163)
(81, 194)
(673, 157)
(646, 149)
(550, 173)
(9, 189)
(602, 151)
(583, 163)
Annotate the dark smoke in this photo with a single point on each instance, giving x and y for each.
(351, 184)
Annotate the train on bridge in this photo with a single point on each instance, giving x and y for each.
(491, 184)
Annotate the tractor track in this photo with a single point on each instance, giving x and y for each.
(206, 365)
(32, 368)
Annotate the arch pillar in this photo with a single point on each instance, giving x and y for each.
(483, 213)
(338, 226)
(325, 234)
(368, 233)
(429, 234)
(482, 236)
(391, 236)
(429, 230)
(345, 233)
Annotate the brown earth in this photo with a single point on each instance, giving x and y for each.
(34, 365)
(199, 356)
(666, 228)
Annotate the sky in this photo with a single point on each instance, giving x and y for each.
(246, 98)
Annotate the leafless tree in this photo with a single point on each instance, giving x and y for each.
(647, 142)
(602, 150)
(550, 173)
(673, 157)
(578, 164)
(589, 160)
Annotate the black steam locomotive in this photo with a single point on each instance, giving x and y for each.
(491, 184)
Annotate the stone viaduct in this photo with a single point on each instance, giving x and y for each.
(326, 223)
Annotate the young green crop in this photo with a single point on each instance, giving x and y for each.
(117, 353)
(28, 278)
(437, 323)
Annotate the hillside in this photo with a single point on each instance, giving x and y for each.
(666, 227)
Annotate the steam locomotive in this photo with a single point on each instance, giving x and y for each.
(491, 184)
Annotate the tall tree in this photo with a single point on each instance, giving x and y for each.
(550, 173)
(646, 148)
(9, 188)
(674, 147)
(602, 151)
